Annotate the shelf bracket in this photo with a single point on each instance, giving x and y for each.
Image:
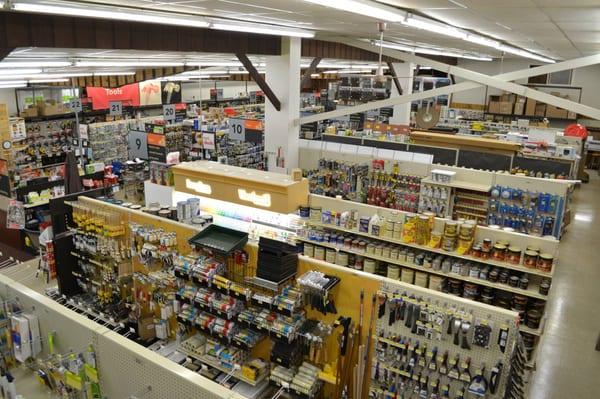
(260, 81)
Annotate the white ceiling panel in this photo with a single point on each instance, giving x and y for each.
(422, 4)
(567, 14)
(487, 4)
(584, 37)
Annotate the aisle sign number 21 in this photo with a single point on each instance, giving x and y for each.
(115, 108)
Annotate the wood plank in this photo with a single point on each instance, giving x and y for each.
(306, 79)
(259, 80)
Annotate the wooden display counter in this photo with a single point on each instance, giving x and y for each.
(454, 141)
(265, 190)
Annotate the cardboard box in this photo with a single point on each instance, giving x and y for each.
(519, 108)
(506, 108)
(29, 112)
(530, 107)
(146, 329)
(508, 98)
(555, 112)
(521, 99)
(571, 115)
(494, 107)
(540, 110)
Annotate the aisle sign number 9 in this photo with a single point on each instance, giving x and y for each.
(237, 129)
(169, 112)
(115, 108)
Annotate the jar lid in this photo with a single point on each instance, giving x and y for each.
(546, 256)
(500, 247)
(531, 253)
(514, 249)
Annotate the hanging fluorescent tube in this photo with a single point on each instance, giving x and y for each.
(203, 72)
(13, 82)
(7, 63)
(48, 80)
(435, 28)
(25, 71)
(421, 50)
(363, 8)
(149, 63)
(348, 71)
(120, 14)
(263, 30)
(214, 63)
(114, 73)
(483, 41)
(16, 86)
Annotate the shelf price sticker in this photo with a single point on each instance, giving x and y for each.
(115, 108)
(208, 141)
(169, 112)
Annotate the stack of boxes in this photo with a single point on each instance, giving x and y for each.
(512, 104)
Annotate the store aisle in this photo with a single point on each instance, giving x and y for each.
(568, 366)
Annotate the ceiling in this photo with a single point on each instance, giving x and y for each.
(554, 28)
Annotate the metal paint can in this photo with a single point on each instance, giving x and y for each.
(194, 207)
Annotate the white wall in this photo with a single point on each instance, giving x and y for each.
(587, 78)
(7, 96)
(190, 91)
(478, 96)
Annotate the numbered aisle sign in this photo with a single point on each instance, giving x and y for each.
(115, 108)
(75, 105)
(169, 112)
(138, 144)
(237, 129)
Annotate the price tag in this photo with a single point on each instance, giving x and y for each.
(115, 108)
(169, 112)
(75, 105)
(138, 144)
(237, 129)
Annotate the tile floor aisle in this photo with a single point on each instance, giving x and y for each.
(568, 366)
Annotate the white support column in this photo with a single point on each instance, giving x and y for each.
(404, 71)
(281, 134)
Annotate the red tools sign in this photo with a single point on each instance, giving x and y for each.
(129, 95)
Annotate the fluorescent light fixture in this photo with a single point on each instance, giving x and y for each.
(48, 80)
(7, 63)
(214, 63)
(26, 71)
(348, 71)
(483, 41)
(13, 82)
(363, 8)
(121, 14)
(14, 86)
(422, 50)
(148, 63)
(445, 30)
(203, 72)
(424, 68)
(525, 54)
(263, 29)
(114, 73)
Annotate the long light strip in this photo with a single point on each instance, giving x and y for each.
(421, 50)
(26, 71)
(348, 71)
(7, 63)
(114, 73)
(106, 13)
(13, 82)
(435, 28)
(203, 72)
(363, 8)
(149, 63)
(13, 86)
(48, 80)
(263, 30)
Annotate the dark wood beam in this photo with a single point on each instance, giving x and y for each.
(305, 83)
(394, 77)
(259, 80)
(5, 51)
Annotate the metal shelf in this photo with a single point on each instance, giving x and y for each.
(531, 291)
(440, 251)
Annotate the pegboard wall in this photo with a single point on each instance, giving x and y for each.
(126, 369)
(412, 320)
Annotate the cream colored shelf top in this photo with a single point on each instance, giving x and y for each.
(459, 184)
(228, 171)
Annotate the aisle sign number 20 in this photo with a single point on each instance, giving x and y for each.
(169, 112)
(115, 108)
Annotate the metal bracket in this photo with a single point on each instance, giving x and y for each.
(259, 80)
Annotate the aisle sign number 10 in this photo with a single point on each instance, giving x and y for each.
(115, 108)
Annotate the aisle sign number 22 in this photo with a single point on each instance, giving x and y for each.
(115, 108)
